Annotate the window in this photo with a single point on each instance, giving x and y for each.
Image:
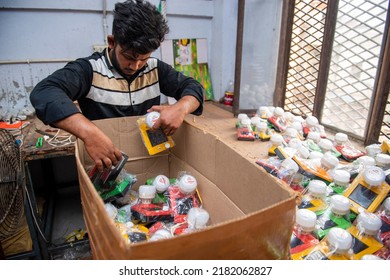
(335, 66)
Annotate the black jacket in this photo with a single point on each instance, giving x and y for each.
(53, 98)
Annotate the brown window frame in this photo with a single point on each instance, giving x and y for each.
(382, 80)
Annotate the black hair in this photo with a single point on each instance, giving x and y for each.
(138, 26)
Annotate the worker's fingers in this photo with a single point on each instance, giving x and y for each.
(155, 108)
(114, 161)
(156, 125)
(99, 165)
(118, 155)
(169, 131)
(107, 162)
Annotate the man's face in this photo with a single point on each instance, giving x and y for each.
(127, 61)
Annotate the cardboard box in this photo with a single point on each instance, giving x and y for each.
(251, 213)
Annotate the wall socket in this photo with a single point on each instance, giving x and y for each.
(99, 48)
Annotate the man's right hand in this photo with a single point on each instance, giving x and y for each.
(101, 149)
(98, 145)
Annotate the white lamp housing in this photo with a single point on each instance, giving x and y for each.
(197, 218)
(146, 193)
(151, 118)
(187, 184)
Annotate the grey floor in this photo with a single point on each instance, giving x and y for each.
(67, 219)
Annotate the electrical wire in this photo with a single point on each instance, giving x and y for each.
(34, 217)
(57, 141)
(60, 140)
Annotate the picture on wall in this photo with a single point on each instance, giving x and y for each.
(189, 56)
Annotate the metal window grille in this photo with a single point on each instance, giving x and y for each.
(354, 61)
(305, 50)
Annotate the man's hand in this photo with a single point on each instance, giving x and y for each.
(172, 116)
(99, 147)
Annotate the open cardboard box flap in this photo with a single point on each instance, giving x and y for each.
(251, 213)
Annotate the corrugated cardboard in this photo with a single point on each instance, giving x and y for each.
(251, 213)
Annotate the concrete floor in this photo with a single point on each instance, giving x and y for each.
(68, 216)
(68, 220)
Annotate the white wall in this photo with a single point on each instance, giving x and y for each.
(40, 36)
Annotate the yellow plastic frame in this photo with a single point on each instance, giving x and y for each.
(302, 254)
(318, 205)
(372, 244)
(152, 150)
(381, 192)
(319, 173)
(323, 249)
(385, 147)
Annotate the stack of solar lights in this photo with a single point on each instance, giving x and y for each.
(160, 209)
(344, 205)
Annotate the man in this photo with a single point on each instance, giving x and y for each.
(123, 80)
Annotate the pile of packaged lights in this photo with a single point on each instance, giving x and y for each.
(343, 209)
(159, 209)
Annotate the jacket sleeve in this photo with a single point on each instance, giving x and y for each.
(53, 97)
(174, 84)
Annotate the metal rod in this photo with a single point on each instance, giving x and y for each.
(239, 42)
(29, 61)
